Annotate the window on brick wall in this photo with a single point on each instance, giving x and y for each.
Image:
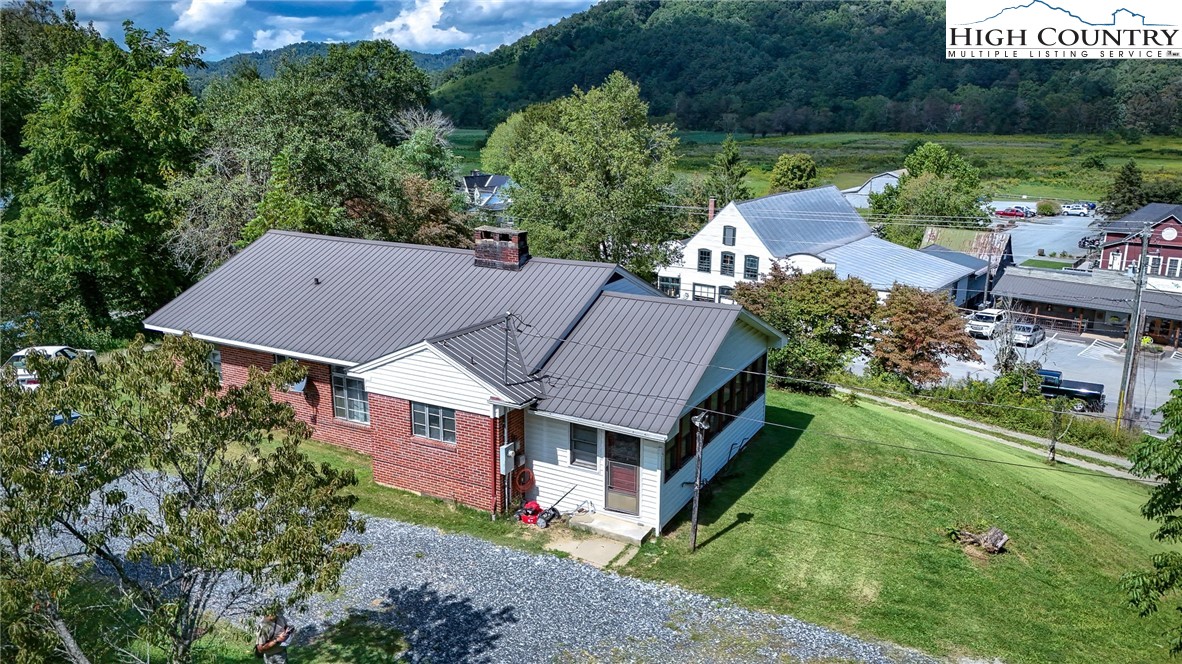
(434, 422)
(215, 361)
(584, 446)
(349, 400)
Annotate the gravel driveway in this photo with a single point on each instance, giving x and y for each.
(461, 599)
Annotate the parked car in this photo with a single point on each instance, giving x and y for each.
(1076, 210)
(1029, 210)
(1026, 334)
(27, 379)
(985, 323)
(1011, 212)
(1085, 396)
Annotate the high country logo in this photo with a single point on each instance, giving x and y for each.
(1066, 29)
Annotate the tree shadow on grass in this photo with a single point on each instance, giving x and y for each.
(431, 627)
(745, 470)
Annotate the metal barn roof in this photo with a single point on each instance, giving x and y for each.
(882, 264)
(804, 222)
(1137, 219)
(1086, 290)
(975, 264)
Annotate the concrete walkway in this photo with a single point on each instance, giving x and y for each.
(1041, 444)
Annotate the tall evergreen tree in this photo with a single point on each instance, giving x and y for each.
(1127, 192)
(727, 178)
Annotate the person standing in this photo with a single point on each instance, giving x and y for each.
(272, 638)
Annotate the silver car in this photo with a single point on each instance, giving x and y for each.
(1026, 334)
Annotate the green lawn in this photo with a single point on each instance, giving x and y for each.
(1046, 262)
(853, 536)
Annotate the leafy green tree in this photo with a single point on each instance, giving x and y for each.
(794, 172)
(283, 208)
(497, 154)
(1157, 459)
(1127, 192)
(108, 126)
(728, 173)
(592, 176)
(185, 492)
(939, 188)
(826, 319)
(915, 332)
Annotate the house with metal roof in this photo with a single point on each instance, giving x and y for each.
(992, 246)
(859, 196)
(1121, 247)
(977, 282)
(805, 230)
(486, 376)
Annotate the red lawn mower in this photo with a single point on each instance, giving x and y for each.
(532, 513)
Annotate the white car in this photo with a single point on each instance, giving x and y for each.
(1076, 210)
(986, 322)
(27, 379)
(1028, 335)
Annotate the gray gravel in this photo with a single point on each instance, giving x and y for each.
(461, 599)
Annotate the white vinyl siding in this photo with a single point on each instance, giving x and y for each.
(711, 237)
(423, 376)
(349, 400)
(547, 451)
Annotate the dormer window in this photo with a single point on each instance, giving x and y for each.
(728, 236)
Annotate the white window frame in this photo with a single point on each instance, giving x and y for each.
(584, 458)
(704, 289)
(433, 422)
(1154, 266)
(1173, 268)
(350, 401)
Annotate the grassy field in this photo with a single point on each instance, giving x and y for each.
(1012, 166)
(1047, 263)
(854, 536)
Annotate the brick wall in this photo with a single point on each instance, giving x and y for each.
(464, 471)
(313, 406)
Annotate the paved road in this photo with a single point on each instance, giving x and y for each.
(1155, 376)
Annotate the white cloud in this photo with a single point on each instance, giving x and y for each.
(271, 39)
(417, 28)
(201, 14)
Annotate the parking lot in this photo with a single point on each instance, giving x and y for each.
(1085, 359)
(1051, 234)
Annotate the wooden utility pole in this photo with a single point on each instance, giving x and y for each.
(1133, 339)
(701, 424)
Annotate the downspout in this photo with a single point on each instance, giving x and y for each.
(492, 438)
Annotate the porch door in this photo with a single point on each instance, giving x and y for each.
(623, 473)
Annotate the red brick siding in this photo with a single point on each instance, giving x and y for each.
(463, 471)
(313, 406)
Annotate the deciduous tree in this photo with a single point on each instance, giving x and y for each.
(1157, 459)
(194, 499)
(915, 331)
(826, 319)
(939, 188)
(794, 172)
(592, 176)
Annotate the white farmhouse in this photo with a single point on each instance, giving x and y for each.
(859, 196)
(806, 230)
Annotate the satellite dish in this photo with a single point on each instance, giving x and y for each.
(299, 386)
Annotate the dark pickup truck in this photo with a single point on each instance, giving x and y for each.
(1087, 396)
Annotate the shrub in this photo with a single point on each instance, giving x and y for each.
(1047, 208)
(1094, 162)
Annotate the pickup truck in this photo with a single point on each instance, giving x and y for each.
(1086, 396)
(27, 379)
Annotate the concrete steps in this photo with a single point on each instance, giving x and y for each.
(606, 525)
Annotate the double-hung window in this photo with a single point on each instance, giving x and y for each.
(703, 260)
(670, 286)
(349, 400)
(215, 361)
(1154, 266)
(584, 446)
(1174, 267)
(751, 267)
(434, 422)
(727, 267)
(728, 236)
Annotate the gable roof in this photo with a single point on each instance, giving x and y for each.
(490, 351)
(637, 376)
(1137, 219)
(488, 181)
(975, 264)
(889, 175)
(803, 222)
(991, 246)
(374, 297)
(881, 264)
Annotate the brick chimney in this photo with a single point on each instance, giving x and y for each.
(501, 248)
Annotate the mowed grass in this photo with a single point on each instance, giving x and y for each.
(854, 536)
(1047, 263)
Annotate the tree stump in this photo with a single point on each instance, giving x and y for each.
(992, 541)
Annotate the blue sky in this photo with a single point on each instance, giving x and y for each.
(226, 27)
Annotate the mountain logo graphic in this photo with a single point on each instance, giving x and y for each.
(1121, 13)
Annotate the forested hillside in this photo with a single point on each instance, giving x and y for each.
(777, 67)
(266, 61)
